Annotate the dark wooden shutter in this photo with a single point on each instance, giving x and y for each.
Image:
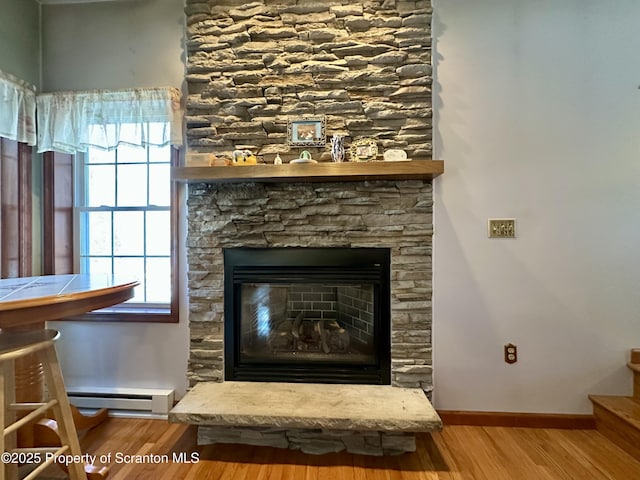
(16, 218)
(57, 213)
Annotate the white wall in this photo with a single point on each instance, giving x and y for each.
(20, 39)
(20, 56)
(129, 43)
(537, 117)
(118, 45)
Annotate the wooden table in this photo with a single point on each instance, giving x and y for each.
(26, 303)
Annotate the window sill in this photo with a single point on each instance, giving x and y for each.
(131, 315)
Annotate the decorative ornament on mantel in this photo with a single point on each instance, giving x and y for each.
(244, 157)
(363, 149)
(338, 153)
(305, 157)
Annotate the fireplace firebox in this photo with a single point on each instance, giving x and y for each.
(313, 315)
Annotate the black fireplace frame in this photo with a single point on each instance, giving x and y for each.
(292, 264)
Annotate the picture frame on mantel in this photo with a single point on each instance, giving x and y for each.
(363, 149)
(307, 131)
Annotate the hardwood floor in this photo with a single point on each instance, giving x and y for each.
(457, 453)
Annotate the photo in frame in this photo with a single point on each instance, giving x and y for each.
(306, 131)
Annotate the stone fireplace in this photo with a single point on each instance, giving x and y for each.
(366, 68)
(392, 215)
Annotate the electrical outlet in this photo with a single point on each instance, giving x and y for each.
(510, 353)
(502, 227)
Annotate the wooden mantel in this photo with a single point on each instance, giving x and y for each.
(312, 172)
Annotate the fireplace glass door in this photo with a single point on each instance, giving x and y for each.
(307, 315)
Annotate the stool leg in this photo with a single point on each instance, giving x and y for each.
(3, 414)
(64, 418)
(29, 382)
(7, 416)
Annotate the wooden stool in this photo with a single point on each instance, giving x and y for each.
(39, 343)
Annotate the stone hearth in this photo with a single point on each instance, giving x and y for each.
(361, 419)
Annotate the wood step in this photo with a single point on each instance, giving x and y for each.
(635, 368)
(618, 419)
(635, 355)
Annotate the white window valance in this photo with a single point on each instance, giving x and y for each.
(17, 109)
(71, 122)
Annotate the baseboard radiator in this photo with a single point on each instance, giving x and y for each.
(157, 401)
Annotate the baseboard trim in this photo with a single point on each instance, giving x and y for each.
(508, 419)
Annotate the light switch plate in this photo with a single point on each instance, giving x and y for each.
(502, 228)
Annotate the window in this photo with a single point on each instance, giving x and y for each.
(109, 205)
(125, 222)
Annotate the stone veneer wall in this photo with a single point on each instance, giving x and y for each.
(365, 65)
(392, 214)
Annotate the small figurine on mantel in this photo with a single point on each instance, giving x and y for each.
(277, 160)
(305, 157)
(395, 155)
(215, 161)
(244, 157)
(337, 148)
